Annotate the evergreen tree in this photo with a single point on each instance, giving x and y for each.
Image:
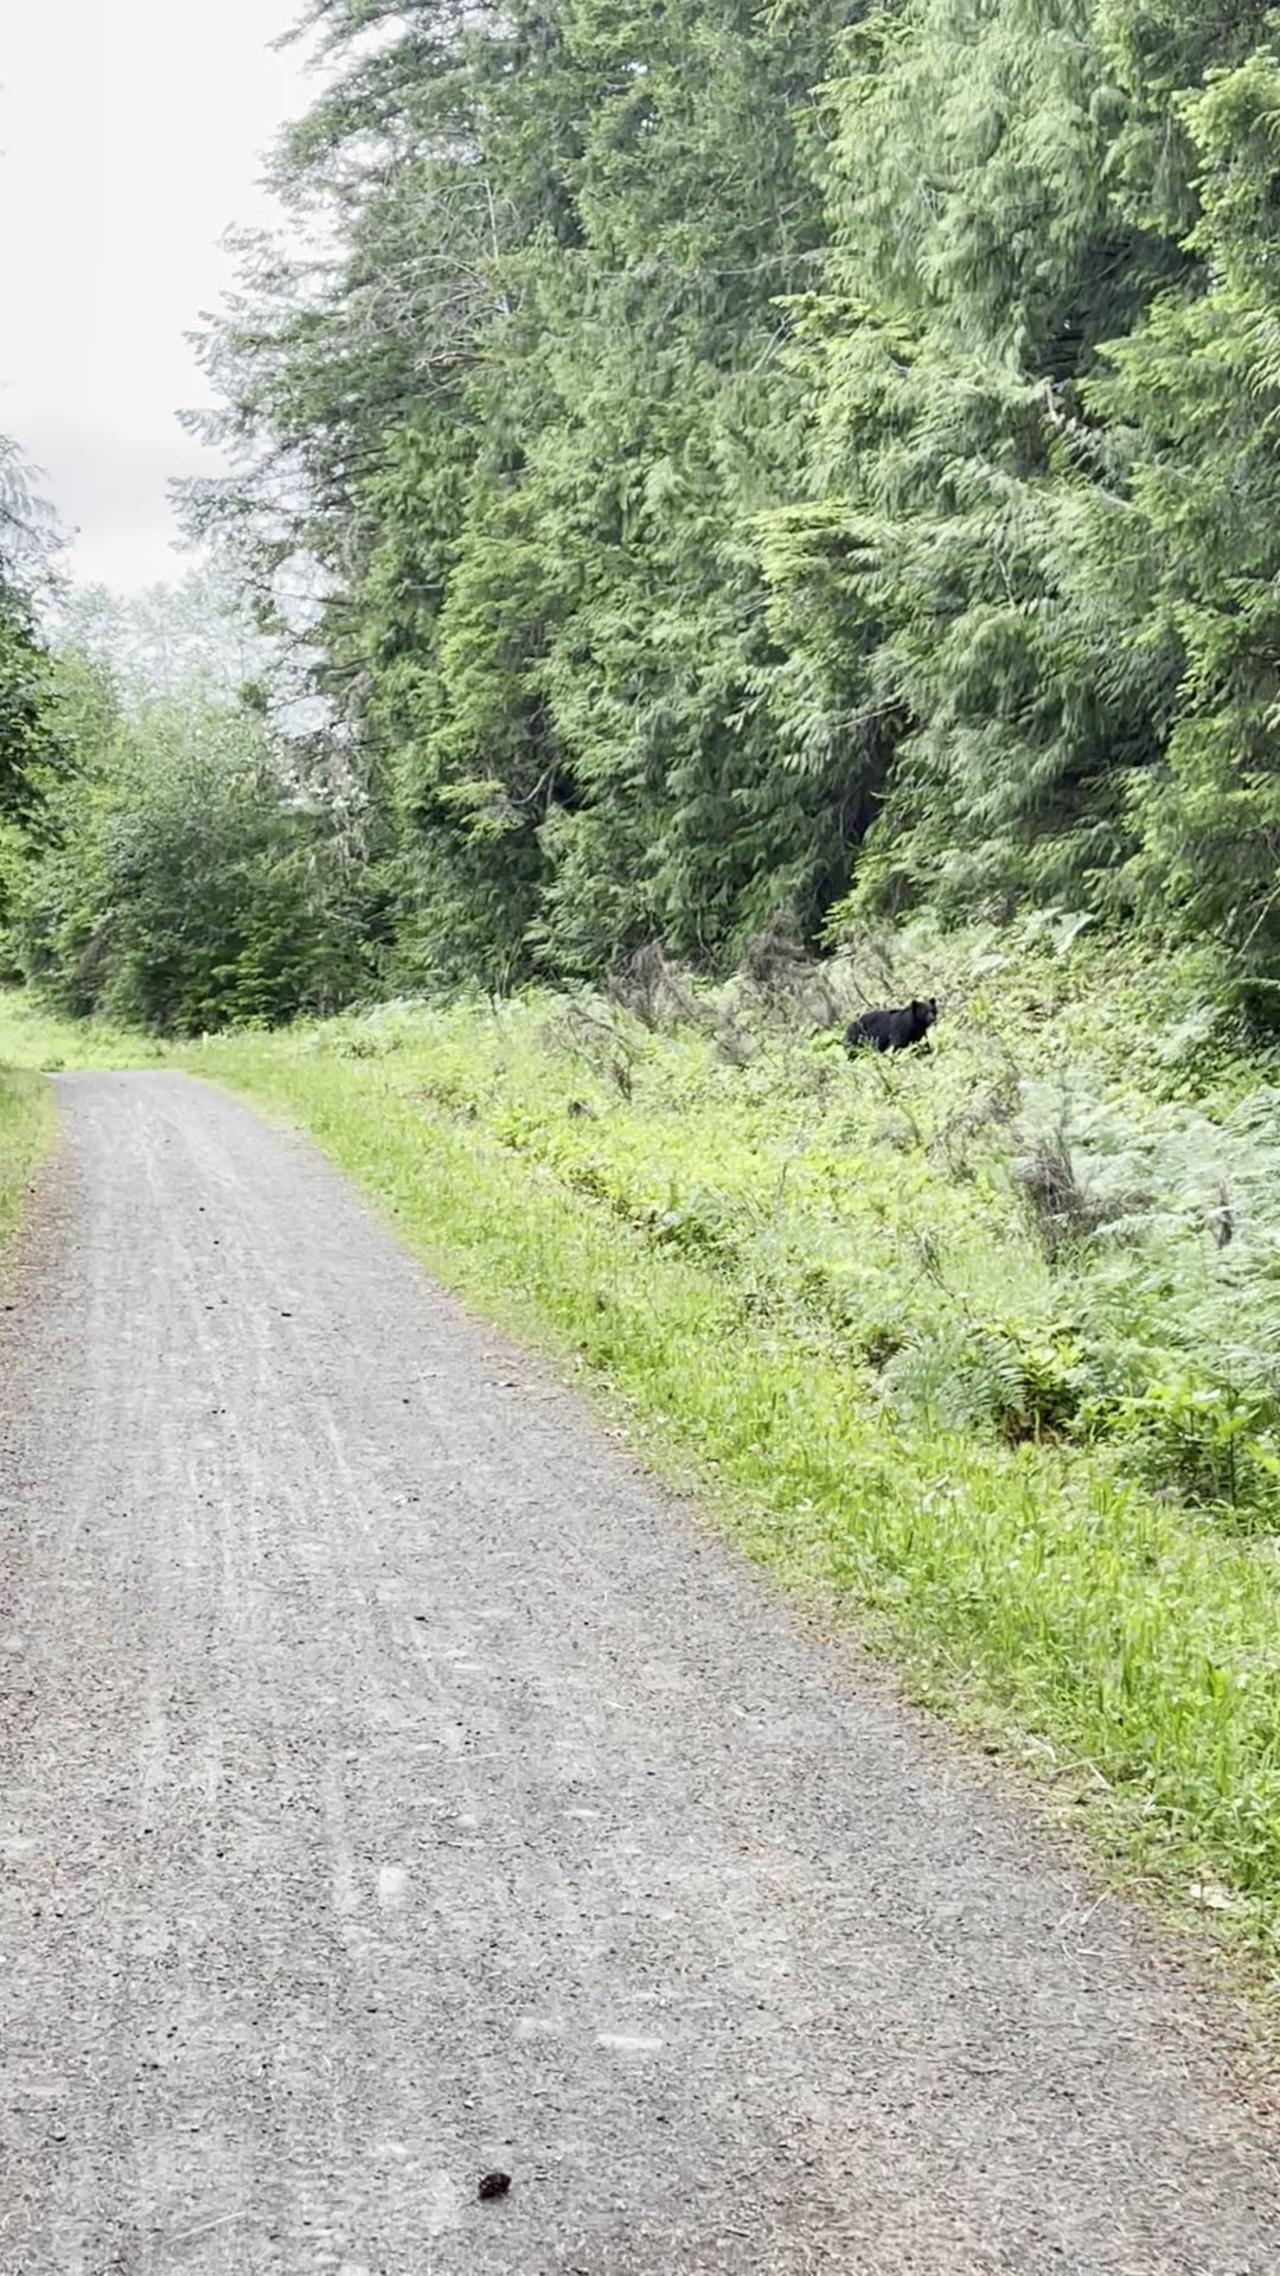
(30, 752)
(1195, 392)
(527, 416)
(732, 452)
(976, 265)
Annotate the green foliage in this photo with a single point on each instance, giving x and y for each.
(27, 1133)
(976, 262)
(536, 476)
(752, 456)
(176, 884)
(30, 755)
(1196, 390)
(26, 743)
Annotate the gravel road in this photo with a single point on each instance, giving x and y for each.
(394, 1785)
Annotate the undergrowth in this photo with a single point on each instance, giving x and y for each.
(26, 1134)
(979, 1341)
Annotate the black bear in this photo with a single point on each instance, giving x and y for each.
(891, 1031)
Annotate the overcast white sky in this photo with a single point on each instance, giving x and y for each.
(131, 135)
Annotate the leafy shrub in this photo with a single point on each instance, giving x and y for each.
(1210, 1442)
(182, 887)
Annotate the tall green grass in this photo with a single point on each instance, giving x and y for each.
(27, 1126)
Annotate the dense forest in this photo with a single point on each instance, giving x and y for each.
(717, 467)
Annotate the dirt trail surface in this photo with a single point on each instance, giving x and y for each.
(397, 1786)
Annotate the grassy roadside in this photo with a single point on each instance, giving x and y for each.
(27, 1126)
(810, 1286)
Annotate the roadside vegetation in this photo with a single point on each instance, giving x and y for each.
(26, 1137)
